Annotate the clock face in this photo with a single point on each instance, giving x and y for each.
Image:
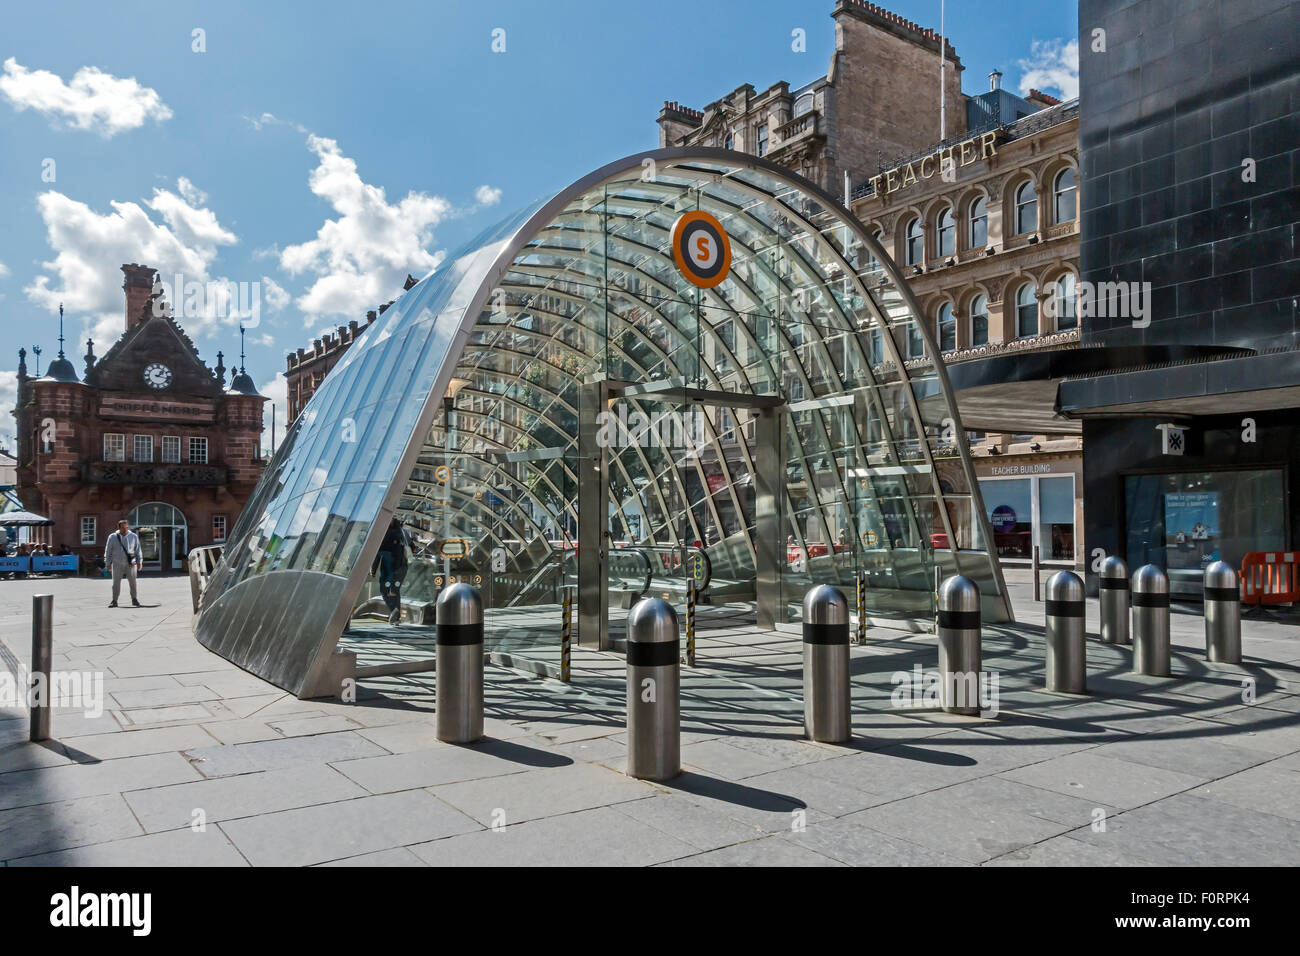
(157, 375)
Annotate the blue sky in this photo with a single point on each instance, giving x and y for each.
(324, 155)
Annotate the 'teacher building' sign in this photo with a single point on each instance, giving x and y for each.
(943, 161)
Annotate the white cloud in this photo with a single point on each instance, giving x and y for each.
(273, 293)
(94, 100)
(90, 247)
(8, 398)
(487, 195)
(361, 257)
(196, 227)
(277, 390)
(270, 119)
(4, 271)
(193, 194)
(1052, 65)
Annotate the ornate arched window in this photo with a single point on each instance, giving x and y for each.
(979, 223)
(1026, 310)
(915, 344)
(1026, 208)
(1065, 306)
(873, 264)
(1064, 192)
(915, 242)
(946, 239)
(979, 320)
(947, 328)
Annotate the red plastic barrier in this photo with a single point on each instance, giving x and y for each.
(1270, 577)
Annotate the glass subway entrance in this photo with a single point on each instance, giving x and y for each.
(557, 406)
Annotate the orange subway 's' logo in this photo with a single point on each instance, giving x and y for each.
(701, 249)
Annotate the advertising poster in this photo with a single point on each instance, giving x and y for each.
(1191, 529)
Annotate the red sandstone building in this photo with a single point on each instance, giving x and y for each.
(150, 434)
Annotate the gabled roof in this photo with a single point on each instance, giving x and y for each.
(153, 330)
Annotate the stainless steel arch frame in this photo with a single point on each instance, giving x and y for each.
(459, 410)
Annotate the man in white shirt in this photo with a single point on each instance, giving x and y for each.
(122, 555)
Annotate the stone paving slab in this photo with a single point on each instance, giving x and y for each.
(544, 792)
(335, 831)
(23, 788)
(1187, 828)
(1185, 770)
(56, 824)
(444, 764)
(221, 761)
(245, 795)
(687, 821)
(768, 851)
(173, 848)
(600, 836)
(398, 856)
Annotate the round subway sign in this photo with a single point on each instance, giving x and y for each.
(701, 249)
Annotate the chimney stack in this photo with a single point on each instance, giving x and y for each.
(995, 80)
(139, 291)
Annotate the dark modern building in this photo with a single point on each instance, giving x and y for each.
(1190, 193)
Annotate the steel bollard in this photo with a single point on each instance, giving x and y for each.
(958, 629)
(827, 715)
(1112, 586)
(566, 634)
(654, 729)
(1222, 614)
(1150, 621)
(862, 607)
(938, 583)
(1067, 667)
(459, 614)
(42, 658)
(1038, 590)
(690, 621)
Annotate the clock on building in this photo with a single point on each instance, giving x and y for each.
(157, 375)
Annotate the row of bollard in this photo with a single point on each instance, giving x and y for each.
(1141, 601)
(1146, 600)
(654, 661)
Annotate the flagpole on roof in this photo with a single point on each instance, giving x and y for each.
(943, 67)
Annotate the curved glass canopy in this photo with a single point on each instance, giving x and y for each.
(560, 382)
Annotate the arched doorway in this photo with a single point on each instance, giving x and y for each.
(164, 535)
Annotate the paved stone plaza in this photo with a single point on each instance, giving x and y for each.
(194, 762)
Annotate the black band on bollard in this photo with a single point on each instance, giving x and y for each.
(656, 654)
(1113, 584)
(1064, 608)
(960, 620)
(460, 635)
(826, 633)
(1222, 594)
(1142, 599)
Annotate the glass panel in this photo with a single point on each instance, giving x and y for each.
(1009, 505)
(1056, 518)
(1182, 522)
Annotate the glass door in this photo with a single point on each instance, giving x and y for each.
(149, 548)
(179, 550)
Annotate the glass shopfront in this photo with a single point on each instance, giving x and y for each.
(1182, 522)
(1034, 510)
